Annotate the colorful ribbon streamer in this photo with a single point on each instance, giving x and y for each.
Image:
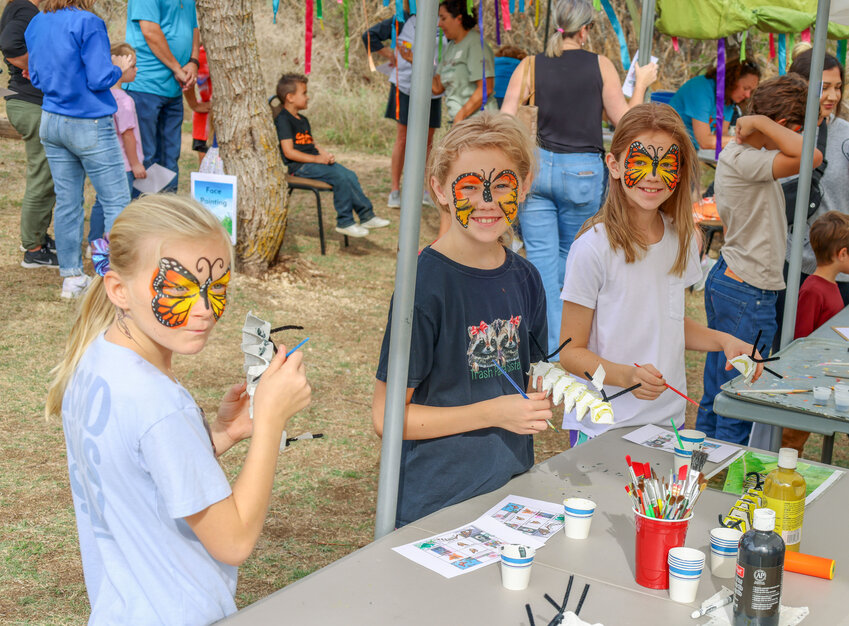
(521, 6)
(782, 54)
(347, 34)
(597, 5)
(274, 6)
(743, 38)
(505, 13)
(771, 46)
(497, 25)
(441, 37)
(806, 35)
(483, 56)
(412, 7)
(399, 10)
(841, 51)
(470, 7)
(308, 38)
(675, 44)
(617, 28)
(720, 93)
(371, 66)
(318, 13)
(512, 6)
(536, 13)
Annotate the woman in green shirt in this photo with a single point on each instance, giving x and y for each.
(459, 75)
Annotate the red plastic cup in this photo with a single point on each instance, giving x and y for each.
(655, 537)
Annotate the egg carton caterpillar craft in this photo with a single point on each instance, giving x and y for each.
(571, 393)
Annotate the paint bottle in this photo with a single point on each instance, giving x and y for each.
(784, 493)
(760, 562)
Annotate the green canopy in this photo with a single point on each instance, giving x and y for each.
(714, 19)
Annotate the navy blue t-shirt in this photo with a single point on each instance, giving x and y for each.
(464, 320)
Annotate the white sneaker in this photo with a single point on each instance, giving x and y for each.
(74, 286)
(427, 200)
(394, 201)
(354, 230)
(375, 222)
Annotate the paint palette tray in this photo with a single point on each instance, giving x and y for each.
(805, 363)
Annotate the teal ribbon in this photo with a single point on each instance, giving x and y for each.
(521, 6)
(274, 6)
(412, 7)
(782, 54)
(617, 28)
(841, 52)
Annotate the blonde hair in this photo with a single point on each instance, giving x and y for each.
(161, 218)
(487, 130)
(614, 214)
(570, 16)
(51, 6)
(122, 49)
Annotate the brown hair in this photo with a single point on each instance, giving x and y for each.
(802, 66)
(511, 51)
(487, 130)
(287, 84)
(456, 8)
(735, 69)
(122, 49)
(781, 97)
(829, 235)
(614, 213)
(51, 6)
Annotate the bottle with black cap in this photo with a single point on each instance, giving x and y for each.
(760, 564)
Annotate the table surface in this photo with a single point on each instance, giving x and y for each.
(776, 415)
(378, 586)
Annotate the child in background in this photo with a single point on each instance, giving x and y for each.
(127, 127)
(466, 430)
(200, 105)
(161, 531)
(626, 275)
(742, 287)
(304, 158)
(819, 297)
(507, 59)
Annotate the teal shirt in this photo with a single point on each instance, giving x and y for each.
(178, 21)
(696, 100)
(461, 67)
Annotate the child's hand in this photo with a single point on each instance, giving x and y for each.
(124, 61)
(746, 126)
(652, 383)
(283, 389)
(645, 75)
(233, 420)
(523, 417)
(733, 347)
(138, 170)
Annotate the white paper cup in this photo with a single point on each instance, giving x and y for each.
(516, 562)
(683, 590)
(841, 388)
(681, 458)
(724, 545)
(578, 516)
(821, 394)
(692, 439)
(841, 400)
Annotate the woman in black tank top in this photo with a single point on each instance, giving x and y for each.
(572, 89)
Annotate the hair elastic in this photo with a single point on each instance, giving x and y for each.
(560, 30)
(100, 255)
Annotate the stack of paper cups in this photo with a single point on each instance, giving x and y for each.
(685, 568)
(724, 544)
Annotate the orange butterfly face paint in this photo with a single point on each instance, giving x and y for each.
(644, 160)
(470, 190)
(176, 290)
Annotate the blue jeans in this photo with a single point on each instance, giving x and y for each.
(566, 192)
(741, 310)
(348, 196)
(76, 147)
(160, 127)
(95, 222)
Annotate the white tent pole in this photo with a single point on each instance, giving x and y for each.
(803, 195)
(424, 46)
(646, 32)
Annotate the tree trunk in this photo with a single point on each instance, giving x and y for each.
(245, 131)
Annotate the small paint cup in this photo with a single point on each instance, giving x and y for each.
(683, 589)
(841, 400)
(692, 439)
(681, 458)
(840, 387)
(724, 545)
(516, 562)
(578, 516)
(821, 395)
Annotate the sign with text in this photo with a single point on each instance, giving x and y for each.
(217, 192)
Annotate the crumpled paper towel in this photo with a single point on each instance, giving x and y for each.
(789, 616)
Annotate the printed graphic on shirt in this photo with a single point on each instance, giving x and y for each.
(303, 139)
(470, 189)
(496, 342)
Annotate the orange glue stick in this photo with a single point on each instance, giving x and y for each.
(809, 565)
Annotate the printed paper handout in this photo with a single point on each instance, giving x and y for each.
(653, 436)
(157, 178)
(513, 520)
(631, 78)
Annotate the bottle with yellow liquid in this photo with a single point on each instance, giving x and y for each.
(784, 493)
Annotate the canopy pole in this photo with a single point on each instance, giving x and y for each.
(424, 46)
(646, 32)
(812, 111)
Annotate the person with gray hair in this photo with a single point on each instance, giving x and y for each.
(573, 88)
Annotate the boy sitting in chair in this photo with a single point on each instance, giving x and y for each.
(304, 158)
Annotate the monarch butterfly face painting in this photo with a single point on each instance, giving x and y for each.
(471, 189)
(176, 290)
(644, 160)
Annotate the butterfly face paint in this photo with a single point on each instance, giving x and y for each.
(470, 190)
(176, 290)
(644, 160)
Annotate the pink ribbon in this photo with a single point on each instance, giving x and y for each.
(308, 38)
(675, 44)
(806, 35)
(505, 14)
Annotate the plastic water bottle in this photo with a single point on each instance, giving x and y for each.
(212, 163)
(760, 565)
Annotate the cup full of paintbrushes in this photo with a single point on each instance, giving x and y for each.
(663, 508)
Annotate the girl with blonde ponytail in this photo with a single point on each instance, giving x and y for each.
(161, 530)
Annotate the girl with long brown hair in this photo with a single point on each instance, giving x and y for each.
(627, 271)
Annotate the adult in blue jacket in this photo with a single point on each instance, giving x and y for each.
(165, 36)
(70, 62)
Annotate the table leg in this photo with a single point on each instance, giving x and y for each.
(827, 449)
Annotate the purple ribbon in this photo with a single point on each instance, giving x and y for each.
(483, 51)
(497, 26)
(100, 255)
(720, 92)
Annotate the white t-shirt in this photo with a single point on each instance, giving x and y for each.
(140, 460)
(639, 318)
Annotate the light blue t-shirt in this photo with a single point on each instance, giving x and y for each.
(140, 460)
(178, 20)
(696, 100)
